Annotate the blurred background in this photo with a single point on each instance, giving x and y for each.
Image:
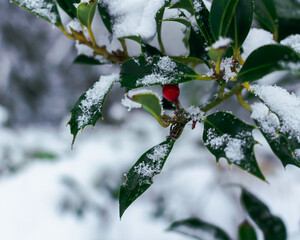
(48, 191)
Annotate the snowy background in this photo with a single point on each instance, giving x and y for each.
(48, 191)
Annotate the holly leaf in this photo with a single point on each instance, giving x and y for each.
(266, 15)
(45, 9)
(150, 103)
(158, 17)
(196, 41)
(104, 14)
(227, 136)
(241, 23)
(221, 15)
(140, 71)
(88, 108)
(68, 7)
(283, 144)
(86, 12)
(197, 229)
(288, 17)
(184, 4)
(88, 60)
(267, 59)
(202, 18)
(247, 231)
(272, 227)
(140, 176)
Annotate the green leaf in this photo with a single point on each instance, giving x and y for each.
(184, 4)
(241, 23)
(196, 41)
(282, 144)
(221, 15)
(151, 103)
(267, 59)
(68, 7)
(45, 9)
(202, 19)
(247, 231)
(104, 14)
(140, 71)
(265, 12)
(272, 227)
(198, 229)
(227, 136)
(88, 60)
(158, 17)
(140, 176)
(288, 17)
(86, 12)
(88, 108)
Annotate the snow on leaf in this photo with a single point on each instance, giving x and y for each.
(44, 8)
(284, 104)
(88, 108)
(227, 136)
(139, 177)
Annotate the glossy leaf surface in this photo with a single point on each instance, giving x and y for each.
(227, 136)
(140, 176)
(272, 227)
(140, 71)
(247, 231)
(86, 12)
(267, 59)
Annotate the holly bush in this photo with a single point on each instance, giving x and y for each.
(214, 39)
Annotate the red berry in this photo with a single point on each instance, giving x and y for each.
(171, 92)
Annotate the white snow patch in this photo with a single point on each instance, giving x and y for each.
(268, 122)
(292, 41)
(162, 69)
(255, 39)
(126, 102)
(134, 17)
(226, 67)
(290, 65)
(75, 25)
(157, 155)
(232, 146)
(222, 43)
(286, 105)
(197, 6)
(95, 96)
(194, 113)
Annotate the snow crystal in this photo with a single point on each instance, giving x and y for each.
(157, 155)
(197, 6)
(95, 96)
(75, 25)
(232, 146)
(226, 67)
(194, 113)
(255, 39)
(126, 102)
(164, 67)
(292, 41)
(134, 17)
(284, 104)
(233, 150)
(41, 8)
(166, 64)
(222, 43)
(269, 122)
